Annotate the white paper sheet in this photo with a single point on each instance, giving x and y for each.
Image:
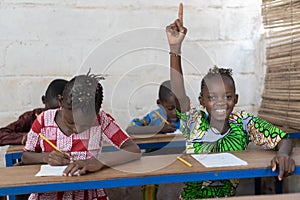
(219, 160)
(48, 170)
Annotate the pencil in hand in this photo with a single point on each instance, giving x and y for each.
(55, 147)
(158, 114)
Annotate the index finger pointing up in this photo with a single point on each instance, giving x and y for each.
(180, 12)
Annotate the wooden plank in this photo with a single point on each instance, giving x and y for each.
(147, 166)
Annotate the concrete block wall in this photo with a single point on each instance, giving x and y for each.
(125, 40)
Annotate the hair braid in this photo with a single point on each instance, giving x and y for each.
(84, 92)
(214, 72)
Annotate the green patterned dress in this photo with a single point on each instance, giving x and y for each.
(201, 138)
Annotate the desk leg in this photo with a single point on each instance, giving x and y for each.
(279, 186)
(257, 182)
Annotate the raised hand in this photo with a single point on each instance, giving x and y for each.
(176, 32)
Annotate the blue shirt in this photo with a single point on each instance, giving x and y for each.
(152, 119)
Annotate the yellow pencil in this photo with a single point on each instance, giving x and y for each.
(55, 147)
(158, 114)
(184, 161)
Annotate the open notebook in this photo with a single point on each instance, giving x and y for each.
(219, 160)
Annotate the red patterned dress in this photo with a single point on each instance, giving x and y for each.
(80, 146)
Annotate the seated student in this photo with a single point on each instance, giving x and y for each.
(78, 129)
(222, 129)
(162, 120)
(15, 132)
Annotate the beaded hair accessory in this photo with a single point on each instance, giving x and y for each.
(217, 70)
(89, 90)
(83, 90)
(98, 77)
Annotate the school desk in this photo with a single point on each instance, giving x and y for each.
(144, 141)
(161, 169)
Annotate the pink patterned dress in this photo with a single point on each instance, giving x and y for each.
(81, 146)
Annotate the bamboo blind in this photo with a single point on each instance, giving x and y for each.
(281, 96)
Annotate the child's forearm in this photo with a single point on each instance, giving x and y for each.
(285, 147)
(129, 152)
(34, 158)
(110, 159)
(92, 164)
(177, 82)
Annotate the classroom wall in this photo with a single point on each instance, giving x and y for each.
(125, 40)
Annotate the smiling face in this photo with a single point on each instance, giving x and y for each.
(219, 98)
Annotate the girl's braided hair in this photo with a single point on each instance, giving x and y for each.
(84, 92)
(215, 72)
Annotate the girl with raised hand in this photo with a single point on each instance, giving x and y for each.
(220, 129)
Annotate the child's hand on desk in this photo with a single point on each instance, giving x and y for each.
(81, 167)
(285, 163)
(168, 128)
(58, 158)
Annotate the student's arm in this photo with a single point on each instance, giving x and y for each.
(176, 33)
(7, 136)
(29, 158)
(52, 158)
(265, 134)
(129, 152)
(15, 132)
(283, 160)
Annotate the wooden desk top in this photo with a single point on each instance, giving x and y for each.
(148, 170)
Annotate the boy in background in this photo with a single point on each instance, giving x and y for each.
(162, 120)
(16, 132)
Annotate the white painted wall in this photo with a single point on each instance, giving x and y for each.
(45, 39)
